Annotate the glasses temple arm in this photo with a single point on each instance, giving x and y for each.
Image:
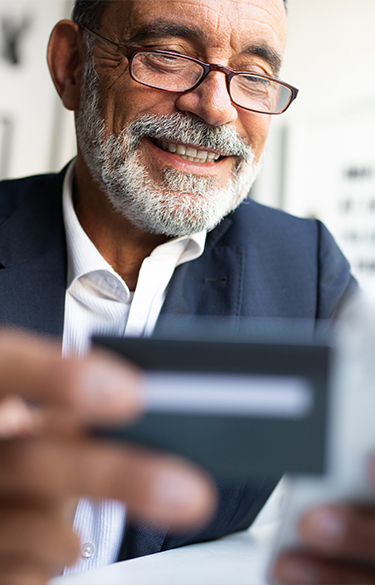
(115, 46)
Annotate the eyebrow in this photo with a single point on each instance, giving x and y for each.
(161, 28)
(265, 53)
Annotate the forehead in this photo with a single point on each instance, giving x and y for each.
(222, 24)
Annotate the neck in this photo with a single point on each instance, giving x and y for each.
(121, 244)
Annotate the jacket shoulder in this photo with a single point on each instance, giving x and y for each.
(252, 219)
(14, 191)
(289, 257)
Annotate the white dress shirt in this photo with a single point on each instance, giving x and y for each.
(98, 301)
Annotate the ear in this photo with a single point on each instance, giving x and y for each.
(65, 60)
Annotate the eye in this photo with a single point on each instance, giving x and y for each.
(162, 61)
(253, 84)
(255, 92)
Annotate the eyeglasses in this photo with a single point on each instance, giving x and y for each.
(170, 71)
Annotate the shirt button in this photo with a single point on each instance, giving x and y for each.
(111, 281)
(87, 550)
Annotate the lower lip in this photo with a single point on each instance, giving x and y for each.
(208, 168)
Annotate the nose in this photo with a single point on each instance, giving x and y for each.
(210, 101)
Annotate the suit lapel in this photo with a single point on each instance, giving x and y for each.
(33, 258)
(211, 285)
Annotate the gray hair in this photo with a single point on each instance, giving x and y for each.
(89, 13)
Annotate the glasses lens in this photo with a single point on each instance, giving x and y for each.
(259, 94)
(166, 71)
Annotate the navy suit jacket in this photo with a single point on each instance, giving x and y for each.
(259, 262)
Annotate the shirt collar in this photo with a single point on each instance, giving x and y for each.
(84, 257)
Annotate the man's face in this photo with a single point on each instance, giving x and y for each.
(136, 129)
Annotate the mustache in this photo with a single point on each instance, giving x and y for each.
(189, 129)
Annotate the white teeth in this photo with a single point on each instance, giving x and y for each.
(191, 152)
(188, 152)
(181, 149)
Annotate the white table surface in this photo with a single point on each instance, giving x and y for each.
(237, 559)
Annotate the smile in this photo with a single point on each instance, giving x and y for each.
(188, 152)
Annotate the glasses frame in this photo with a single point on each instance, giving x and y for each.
(207, 68)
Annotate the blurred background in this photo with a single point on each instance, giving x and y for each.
(321, 153)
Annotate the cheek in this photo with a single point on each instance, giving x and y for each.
(123, 104)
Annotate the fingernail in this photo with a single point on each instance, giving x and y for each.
(297, 572)
(324, 526)
(16, 418)
(371, 471)
(108, 389)
(177, 491)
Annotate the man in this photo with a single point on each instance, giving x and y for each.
(169, 142)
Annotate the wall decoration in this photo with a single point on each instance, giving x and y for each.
(14, 29)
(331, 174)
(30, 110)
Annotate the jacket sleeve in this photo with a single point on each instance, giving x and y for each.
(335, 281)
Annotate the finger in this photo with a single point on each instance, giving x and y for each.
(37, 532)
(155, 487)
(98, 387)
(22, 572)
(372, 470)
(302, 569)
(17, 418)
(340, 530)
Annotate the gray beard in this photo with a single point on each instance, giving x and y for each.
(183, 203)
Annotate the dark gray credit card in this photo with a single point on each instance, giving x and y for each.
(237, 408)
